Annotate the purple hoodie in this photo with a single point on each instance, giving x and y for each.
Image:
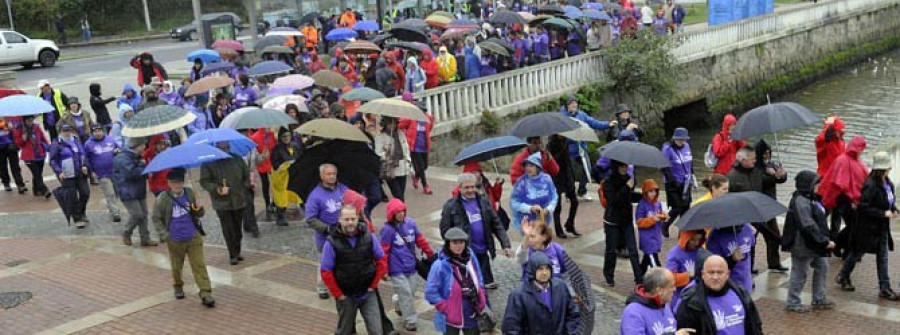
(402, 257)
(61, 151)
(723, 241)
(325, 205)
(244, 95)
(100, 154)
(650, 238)
(681, 159)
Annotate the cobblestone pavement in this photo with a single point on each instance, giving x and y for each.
(86, 282)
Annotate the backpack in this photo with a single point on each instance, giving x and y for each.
(709, 158)
(600, 193)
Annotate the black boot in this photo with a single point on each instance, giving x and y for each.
(570, 227)
(279, 217)
(560, 233)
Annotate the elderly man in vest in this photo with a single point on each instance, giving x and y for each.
(352, 265)
(58, 100)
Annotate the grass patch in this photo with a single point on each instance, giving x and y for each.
(78, 55)
(696, 13)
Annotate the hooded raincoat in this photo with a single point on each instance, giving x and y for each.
(829, 145)
(545, 309)
(846, 177)
(725, 148)
(532, 190)
(415, 77)
(430, 67)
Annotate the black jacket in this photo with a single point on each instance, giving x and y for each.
(741, 179)
(619, 198)
(769, 182)
(693, 311)
(98, 105)
(564, 180)
(805, 227)
(280, 154)
(872, 226)
(454, 215)
(613, 133)
(527, 314)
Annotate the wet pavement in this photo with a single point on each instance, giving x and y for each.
(87, 282)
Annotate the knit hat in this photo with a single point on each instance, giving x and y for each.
(176, 174)
(681, 133)
(455, 234)
(882, 161)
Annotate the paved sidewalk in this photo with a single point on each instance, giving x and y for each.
(86, 282)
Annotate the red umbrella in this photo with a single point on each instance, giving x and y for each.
(230, 44)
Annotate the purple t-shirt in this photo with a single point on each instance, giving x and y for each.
(402, 238)
(545, 296)
(419, 146)
(51, 117)
(724, 242)
(476, 230)
(79, 123)
(325, 205)
(650, 238)
(640, 319)
(728, 312)
(890, 193)
(181, 227)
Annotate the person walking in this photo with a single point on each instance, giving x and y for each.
(564, 182)
(393, 149)
(647, 310)
(841, 190)
(286, 151)
(100, 153)
(131, 187)
(533, 195)
(871, 234)
(418, 136)
(678, 179)
(474, 215)
(682, 260)
(32, 142)
(806, 238)
(618, 220)
(228, 184)
(67, 158)
(649, 217)
(251, 159)
(715, 295)
(773, 174)
(724, 147)
(455, 286)
(98, 105)
(176, 217)
(621, 123)
(352, 265)
(746, 176)
(323, 209)
(399, 238)
(578, 150)
(548, 164)
(157, 181)
(9, 158)
(58, 100)
(265, 142)
(542, 304)
(60, 29)
(77, 119)
(734, 244)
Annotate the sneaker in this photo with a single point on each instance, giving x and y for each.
(561, 235)
(80, 224)
(798, 309)
(491, 286)
(889, 295)
(323, 295)
(84, 219)
(116, 218)
(233, 261)
(179, 293)
(428, 190)
(47, 195)
(208, 301)
(395, 301)
(822, 305)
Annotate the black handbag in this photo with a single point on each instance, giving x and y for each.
(504, 217)
(486, 321)
(423, 265)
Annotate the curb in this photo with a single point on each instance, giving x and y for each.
(114, 41)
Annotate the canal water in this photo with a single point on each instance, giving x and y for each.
(865, 96)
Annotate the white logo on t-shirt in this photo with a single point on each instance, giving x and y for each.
(332, 205)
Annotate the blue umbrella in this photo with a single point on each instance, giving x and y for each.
(366, 25)
(205, 55)
(269, 67)
(593, 5)
(341, 34)
(596, 15)
(19, 105)
(238, 144)
(489, 148)
(572, 12)
(217, 67)
(187, 155)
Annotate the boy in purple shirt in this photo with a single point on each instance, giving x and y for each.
(176, 216)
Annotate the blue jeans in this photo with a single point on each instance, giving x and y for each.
(881, 263)
(85, 35)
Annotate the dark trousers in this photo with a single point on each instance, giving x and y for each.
(82, 194)
(678, 202)
(373, 197)
(231, 230)
(843, 211)
(613, 235)
(264, 178)
(398, 187)
(9, 160)
(484, 262)
(881, 263)
(580, 174)
(650, 261)
(250, 214)
(37, 177)
(573, 210)
(773, 243)
(51, 130)
(420, 164)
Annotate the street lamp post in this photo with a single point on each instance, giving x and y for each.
(147, 16)
(9, 12)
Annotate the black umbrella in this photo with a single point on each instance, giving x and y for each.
(508, 18)
(414, 24)
(489, 149)
(311, 17)
(380, 38)
(67, 200)
(358, 166)
(635, 153)
(413, 46)
(551, 10)
(772, 118)
(543, 124)
(410, 34)
(581, 284)
(731, 209)
(502, 43)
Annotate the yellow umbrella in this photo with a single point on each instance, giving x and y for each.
(394, 108)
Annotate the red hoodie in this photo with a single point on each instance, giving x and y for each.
(829, 146)
(846, 175)
(265, 140)
(158, 181)
(430, 66)
(725, 148)
(393, 207)
(550, 166)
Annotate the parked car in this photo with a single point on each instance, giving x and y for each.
(16, 48)
(188, 32)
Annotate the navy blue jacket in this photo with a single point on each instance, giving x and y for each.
(130, 183)
(526, 312)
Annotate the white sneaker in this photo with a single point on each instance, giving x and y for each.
(587, 198)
